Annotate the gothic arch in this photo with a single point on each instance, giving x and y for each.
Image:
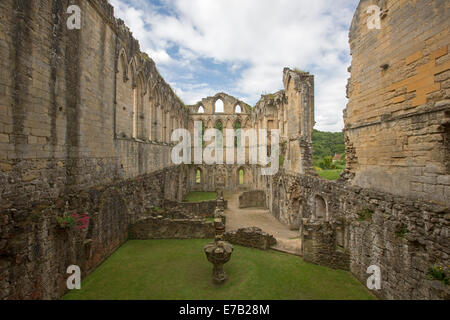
(132, 66)
(240, 176)
(320, 207)
(122, 63)
(198, 174)
(138, 109)
(219, 105)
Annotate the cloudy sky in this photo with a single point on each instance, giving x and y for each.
(240, 47)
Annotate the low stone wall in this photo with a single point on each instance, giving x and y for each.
(162, 228)
(255, 198)
(252, 237)
(204, 209)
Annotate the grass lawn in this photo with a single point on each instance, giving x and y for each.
(198, 196)
(178, 269)
(330, 174)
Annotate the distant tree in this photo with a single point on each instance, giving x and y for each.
(327, 144)
(327, 163)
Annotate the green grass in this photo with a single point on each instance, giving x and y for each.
(198, 196)
(332, 174)
(178, 269)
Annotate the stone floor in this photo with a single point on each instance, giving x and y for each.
(287, 240)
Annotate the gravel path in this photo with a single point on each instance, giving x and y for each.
(287, 240)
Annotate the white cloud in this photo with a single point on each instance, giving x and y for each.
(262, 35)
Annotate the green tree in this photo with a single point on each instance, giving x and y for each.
(327, 144)
(326, 163)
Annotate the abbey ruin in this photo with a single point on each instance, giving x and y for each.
(86, 122)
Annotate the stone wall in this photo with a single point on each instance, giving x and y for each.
(60, 88)
(252, 237)
(398, 115)
(203, 209)
(163, 228)
(319, 246)
(255, 198)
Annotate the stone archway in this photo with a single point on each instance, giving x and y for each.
(320, 208)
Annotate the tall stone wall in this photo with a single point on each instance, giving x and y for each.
(68, 95)
(85, 118)
(390, 207)
(398, 114)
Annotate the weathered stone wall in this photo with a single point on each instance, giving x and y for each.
(255, 198)
(398, 114)
(252, 237)
(203, 209)
(163, 228)
(61, 88)
(319, 245)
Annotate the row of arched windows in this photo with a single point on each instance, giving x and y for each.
(219, 126)
(219, 108)
(240, 176)
(146, 109)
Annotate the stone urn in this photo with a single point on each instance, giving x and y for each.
(218, 253)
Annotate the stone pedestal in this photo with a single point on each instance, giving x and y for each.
(218, 253)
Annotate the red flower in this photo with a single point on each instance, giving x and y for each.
(81, 220)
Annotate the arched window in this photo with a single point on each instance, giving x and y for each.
(198, 176)
(219, 108)
(139, 109)
(241, 176)
(202, 134)
(219, 126)
(163, 125)
(123, 66)
(237, 126)
(321, 208)
(340, 237)
(237, 109)
(200, 109)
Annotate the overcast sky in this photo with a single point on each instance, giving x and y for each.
(240, 47)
